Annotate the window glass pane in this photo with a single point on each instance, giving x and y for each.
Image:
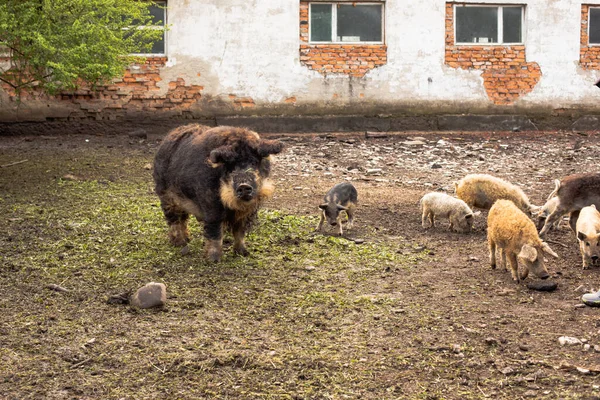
(511, 24)
(359, 23)
(157, 11)
(594, 21)
(158, 47)
(320, 22)
(477, 24)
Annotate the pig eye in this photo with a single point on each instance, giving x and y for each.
(587, 244)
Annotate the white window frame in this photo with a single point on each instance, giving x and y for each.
(334, 22)
(162, 3)
(589, 24)
(500, 25)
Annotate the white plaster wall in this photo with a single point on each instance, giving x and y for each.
(251, 48)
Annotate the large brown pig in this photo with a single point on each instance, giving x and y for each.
(219, 175)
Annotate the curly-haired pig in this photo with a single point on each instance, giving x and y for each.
(588, 235)
(220, 176)
(516, 235)
(482, 191)
(341, 197)
(441, 205)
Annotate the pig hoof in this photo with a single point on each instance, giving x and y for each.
(242, 251)
(179, 241)
(214, 257)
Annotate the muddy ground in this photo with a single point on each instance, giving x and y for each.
(410, 313)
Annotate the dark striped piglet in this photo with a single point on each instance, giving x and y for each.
(341, 197)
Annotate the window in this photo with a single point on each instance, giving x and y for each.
(346, 23)
(594, 25)
(158, 12)
(489, 24)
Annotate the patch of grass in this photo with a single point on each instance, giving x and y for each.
(96, 238)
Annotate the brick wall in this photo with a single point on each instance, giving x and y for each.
(348, 59)
(136, 92)
(589, 56)
(506, 74)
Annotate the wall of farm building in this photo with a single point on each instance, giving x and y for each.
(253, 58)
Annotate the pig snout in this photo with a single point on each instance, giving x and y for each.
(594, 259)
(244, 191)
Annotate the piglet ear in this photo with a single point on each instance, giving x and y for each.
(267, 147)
(341, 207)
(581, 235)
(528, 253)
(546, 249)
(323, 206)
(221, 155)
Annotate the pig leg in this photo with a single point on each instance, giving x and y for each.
(320, 226)
(239, 246)
(492, 247)
(350, 212)
(503, 252)
(177, 221)
(514, 267)
(551, 219)
(573, 217)
(213, 234)
(584, 258)
(524, 274)
(424, 217)
(339, 224)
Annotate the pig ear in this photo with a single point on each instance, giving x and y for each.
(528, 253)
(323, 206)
(341, 208)
(266, 147)
(546, 249)
(221, 155)
(593, 206)
(581, 236)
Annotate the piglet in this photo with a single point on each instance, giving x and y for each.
(341, 197)
(511, 231)
(588, 235)
(441, 205)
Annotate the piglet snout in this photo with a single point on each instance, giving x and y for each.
(243, 190)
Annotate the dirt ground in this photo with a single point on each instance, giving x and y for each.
(410, 313)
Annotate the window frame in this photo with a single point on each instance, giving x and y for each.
(334, 21)
(500, 23)
(589, 24)
(163, 4)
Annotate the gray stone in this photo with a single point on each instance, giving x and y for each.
(543, 286)
(151, 295)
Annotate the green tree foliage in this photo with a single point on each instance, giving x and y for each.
(56, 45)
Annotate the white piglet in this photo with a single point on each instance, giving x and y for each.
(440, 205)
(588, 235)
